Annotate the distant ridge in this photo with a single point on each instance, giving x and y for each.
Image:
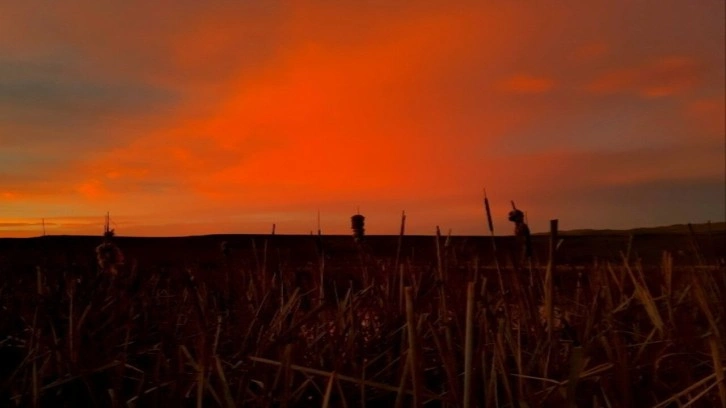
(669, 229)
(675, 229)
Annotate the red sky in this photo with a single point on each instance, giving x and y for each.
(185, 118)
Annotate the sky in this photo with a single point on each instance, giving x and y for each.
(186, 117)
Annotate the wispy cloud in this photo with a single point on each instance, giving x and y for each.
(527, 84)
(666, 76)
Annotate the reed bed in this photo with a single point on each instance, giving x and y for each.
(388, 332)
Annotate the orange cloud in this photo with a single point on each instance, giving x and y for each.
(658, 78)
(92, 189)
(592, 51)
(526, 84)
(539, 172)
(332, 124)
(708, 115)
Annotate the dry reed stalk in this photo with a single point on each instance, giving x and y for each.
(629, 248)
(296, 326)
(549, 290)
(694, 245)
(469, 344)
(199, 297)
(443, 307)
(449, 365)
(529, 313)
(228, 399)
(576, 364)
(414, 280)
(622, 371)
(500, 359)
(507, 314)
(667, 291)
(578, 290)
(702, 300)
(644, 345)
(308, 382)
(362, 387)
(518, 357)
(700, 395)
(399, 244)
(82, 319)
(343, 402)
(254, 278)
(715, 343)
(227, 291)
(201, 372)
(599, 369)
(402, 384)
(492, 392)
(545, 359)
(667, 270)
(124, 358)
(328, 390)
(391, 361)
(71, 339)
(488, 210)
(401, 285)
(263, 270)
(484, 393)
(212, 393)
(591, 316)
(439, 260)
(321, 273)
(39, 280)
(502, 290)
(254, 320)
(688, 390)
(217, 332)
(515, 346)
(287, 375)
(643, 294)
(484, 340)
(617, 281)
(71, 378)
(413, 349)
(473, 270)
(139, 390)
(35, 394)
(345, 378)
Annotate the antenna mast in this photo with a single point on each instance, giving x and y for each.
(319, 222)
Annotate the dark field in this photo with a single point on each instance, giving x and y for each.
(635, 320)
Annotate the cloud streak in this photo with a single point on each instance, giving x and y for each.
(661, 77)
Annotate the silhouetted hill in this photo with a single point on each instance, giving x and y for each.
(703, 228)
(580, 247)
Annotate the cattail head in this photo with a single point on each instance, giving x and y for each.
(489, 213)
(516, 216)
(357, 223)
(109, 257)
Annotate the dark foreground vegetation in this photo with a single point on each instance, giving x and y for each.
(303, 321)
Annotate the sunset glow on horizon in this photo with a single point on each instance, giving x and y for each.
(188, 118)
